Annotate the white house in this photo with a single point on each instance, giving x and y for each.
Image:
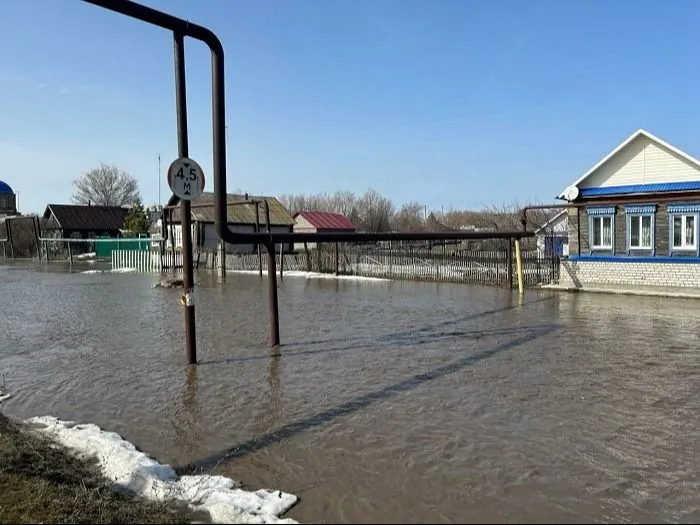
(634, 217)
(553, 236)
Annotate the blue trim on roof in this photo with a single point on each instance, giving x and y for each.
(633, 259)
(5, 187)
(687, 207)
(600, 210)
(640, 188)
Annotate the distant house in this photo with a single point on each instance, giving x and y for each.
(320, 222)
(241, 218)
(74, 221)
(553, 236)
(634, 217)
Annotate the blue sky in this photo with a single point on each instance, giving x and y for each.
(453, 103)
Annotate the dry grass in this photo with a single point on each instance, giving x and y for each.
(43, 483)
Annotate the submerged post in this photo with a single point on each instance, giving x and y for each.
(519, 262)
(272, 285)
(185, 210)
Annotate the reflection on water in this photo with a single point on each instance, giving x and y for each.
(388, 401)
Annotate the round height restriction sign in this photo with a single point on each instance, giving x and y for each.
(186, 178)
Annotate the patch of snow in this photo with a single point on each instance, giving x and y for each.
(4, 395)
(116, 270)
(89, 255)
(133, 470)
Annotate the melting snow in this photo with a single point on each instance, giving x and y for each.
(131, 469)
(117, 270)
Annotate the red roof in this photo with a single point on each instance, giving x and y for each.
(325, 220)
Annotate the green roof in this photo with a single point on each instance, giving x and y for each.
(239, 213)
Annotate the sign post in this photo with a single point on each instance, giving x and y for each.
(186, 180)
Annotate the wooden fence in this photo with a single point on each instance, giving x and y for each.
(465, 266)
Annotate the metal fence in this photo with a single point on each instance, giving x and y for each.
(438, 264)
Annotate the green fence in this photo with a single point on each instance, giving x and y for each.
(104, 247)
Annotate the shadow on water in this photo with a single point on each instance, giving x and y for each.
(387, 341)
(260, 442)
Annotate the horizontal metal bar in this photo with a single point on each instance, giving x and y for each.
(160, 19)
(286, 237)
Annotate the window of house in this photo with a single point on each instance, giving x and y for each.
(684, 232)
(683, 222)
(640, 226)
(602, 228)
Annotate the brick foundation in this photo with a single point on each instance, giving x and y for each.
(579, 273)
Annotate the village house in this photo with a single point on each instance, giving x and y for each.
(634, 217)
(73, 221)
(241, 218)
(552, 238)
(320, 222)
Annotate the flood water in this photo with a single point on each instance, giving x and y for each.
(388, 401)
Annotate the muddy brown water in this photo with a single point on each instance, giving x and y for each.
(388, 401)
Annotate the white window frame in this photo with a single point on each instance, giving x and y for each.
(601, 218)
(638, 217)
(684, 217)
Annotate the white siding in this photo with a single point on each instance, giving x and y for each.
(303, 226)
(642, 161)
(557, 228)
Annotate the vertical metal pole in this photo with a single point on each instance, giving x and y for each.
(185, 219)
(272, 278)
(519, 262)
(510, 263)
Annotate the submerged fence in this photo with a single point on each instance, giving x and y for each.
(442, 263)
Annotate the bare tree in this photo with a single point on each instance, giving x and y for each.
(106, 186)
(409, 218)
(375, 212)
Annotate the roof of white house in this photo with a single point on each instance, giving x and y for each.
(552, 221)
(629, 174)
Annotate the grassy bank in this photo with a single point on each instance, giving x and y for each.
(43, 483)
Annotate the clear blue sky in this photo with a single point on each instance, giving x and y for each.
(452, 103)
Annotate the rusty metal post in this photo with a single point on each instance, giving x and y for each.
(510, 263)
(185, 211)
(272, 285)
